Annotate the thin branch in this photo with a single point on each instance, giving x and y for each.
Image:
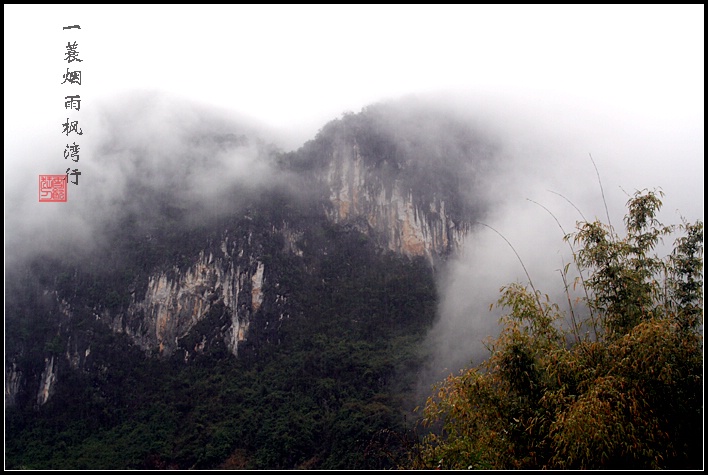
(571, 203)
(535, 293)
(554, 217)
(580, 272)
(601, 190)
(570, 305)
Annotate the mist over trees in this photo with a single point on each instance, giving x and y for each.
(621, 389)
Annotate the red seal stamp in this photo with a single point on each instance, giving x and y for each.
(52, 188)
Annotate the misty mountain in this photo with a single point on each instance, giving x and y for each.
(241, 306)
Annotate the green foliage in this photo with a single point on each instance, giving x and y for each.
(319, 394)
(627, 395)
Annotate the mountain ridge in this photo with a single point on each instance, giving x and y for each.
(359, 213)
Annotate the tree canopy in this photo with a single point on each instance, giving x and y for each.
(619, 388)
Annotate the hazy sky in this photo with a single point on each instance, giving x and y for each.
(295, 67)
(624, 83)
(301, 65)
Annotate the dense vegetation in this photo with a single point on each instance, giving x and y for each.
(622, 389)
(329, 392)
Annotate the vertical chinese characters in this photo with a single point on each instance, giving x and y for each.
(53, 188)
(72, 103)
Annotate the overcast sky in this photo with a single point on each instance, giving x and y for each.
(299, 66)
(625, 83)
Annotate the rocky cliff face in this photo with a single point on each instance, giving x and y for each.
(47, 379)
(390, 212)
(13, 380)
(362, 173)
(175, 300)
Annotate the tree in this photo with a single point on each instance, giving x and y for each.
(621, 389)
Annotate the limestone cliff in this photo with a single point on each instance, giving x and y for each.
(405, 182)
(47, 380)
(176, 300)
(13, 381)
(404, 177)
(391, 211)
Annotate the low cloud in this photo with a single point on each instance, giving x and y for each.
(137, 152)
